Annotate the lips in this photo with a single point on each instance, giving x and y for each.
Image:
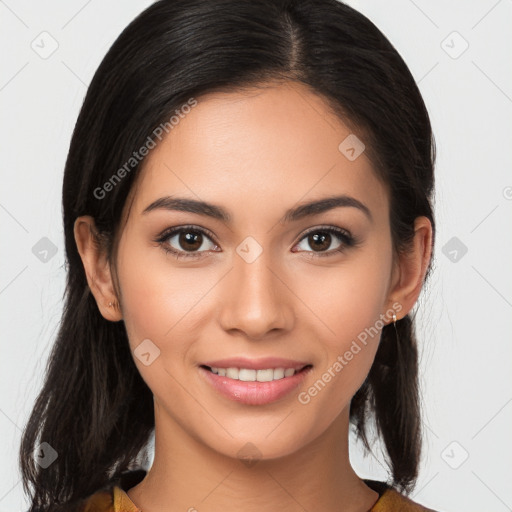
(254, 392)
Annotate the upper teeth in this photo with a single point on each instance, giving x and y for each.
(247, 375)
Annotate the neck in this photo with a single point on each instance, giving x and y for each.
(188, 475)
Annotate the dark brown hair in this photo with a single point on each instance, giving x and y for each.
(94, 409)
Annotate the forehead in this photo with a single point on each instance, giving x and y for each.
(258, 151)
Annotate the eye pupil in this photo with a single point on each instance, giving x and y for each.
(191, 240)
(320, 238)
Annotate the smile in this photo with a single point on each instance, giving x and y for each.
(254, 387)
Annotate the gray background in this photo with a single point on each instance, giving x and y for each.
(460, 55)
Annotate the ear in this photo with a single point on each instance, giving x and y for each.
(96, 267)
(411, 267)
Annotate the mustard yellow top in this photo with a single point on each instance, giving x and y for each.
(116, 500)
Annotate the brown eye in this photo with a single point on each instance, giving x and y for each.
(190, 240)
(186, 242)
(320, 240)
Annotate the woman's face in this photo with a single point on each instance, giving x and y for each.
(265, 283)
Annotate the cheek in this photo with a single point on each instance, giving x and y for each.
(155, 305)
(347, 303)
(161, 302)
(346, 300)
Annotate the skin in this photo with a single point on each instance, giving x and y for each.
(256, 153)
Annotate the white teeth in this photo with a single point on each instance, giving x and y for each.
(249, 375)
(245, 375)
(232, 373)
(261, 375)
(278, 373)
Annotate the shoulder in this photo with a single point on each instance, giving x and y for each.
(390, 500)
(101, 501)
(112, 500)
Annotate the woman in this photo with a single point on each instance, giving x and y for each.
(248, 225)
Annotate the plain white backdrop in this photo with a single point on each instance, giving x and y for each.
(460, 54)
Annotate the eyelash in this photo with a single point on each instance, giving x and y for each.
(348, 240)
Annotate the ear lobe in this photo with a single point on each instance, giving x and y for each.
(412, 266)
(96, 267)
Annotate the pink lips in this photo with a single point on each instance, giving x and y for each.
(255, 393)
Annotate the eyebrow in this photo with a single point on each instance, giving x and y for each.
(293, 214)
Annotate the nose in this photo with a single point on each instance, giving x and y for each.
(256, 299)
